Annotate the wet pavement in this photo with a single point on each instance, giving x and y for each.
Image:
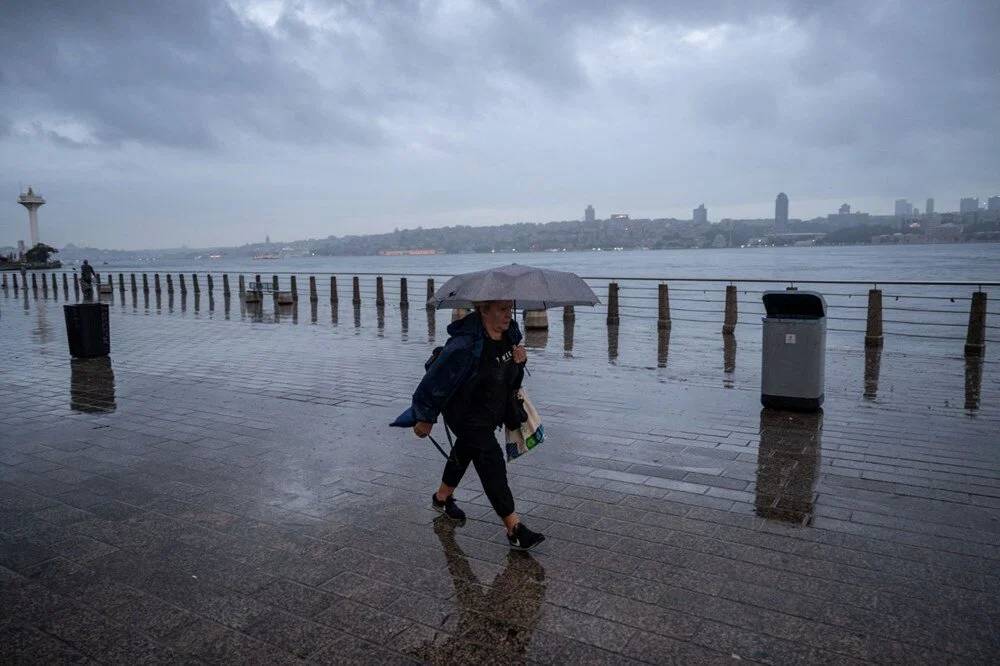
(225, 488)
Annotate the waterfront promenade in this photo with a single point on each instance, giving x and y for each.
(228, 490)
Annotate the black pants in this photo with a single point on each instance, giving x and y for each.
(480, 447)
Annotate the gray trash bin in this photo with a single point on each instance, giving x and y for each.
(794, 355)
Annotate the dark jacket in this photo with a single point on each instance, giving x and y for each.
(455, 367)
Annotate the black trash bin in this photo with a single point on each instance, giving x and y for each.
(88, 329)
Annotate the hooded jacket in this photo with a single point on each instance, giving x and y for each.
(456, 366)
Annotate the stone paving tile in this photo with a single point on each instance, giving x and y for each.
(220, 502)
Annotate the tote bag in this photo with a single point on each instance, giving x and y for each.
(529, 435)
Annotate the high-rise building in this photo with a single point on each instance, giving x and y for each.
(781, 212)
(588, 214)
(968, 205)
(993, 203)
(903, 208)
(700, 214)
(929, 208)
(845, 209)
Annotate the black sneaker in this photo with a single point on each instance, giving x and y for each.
(523, 538)
(448, 507)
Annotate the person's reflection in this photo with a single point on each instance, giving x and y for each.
(873, 363)
(728, 359)
(536, 338)
(973, 381)
(662, 347)
(569, 326)
(613, 344)
(92, 385)
(497, 622)
(788, 464)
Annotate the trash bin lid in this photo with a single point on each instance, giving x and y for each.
(794, 304)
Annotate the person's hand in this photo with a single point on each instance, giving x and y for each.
(422, 429)
(520, 355)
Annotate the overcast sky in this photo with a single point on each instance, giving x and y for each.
(152, 124)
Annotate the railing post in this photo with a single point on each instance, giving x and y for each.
(76, 283)
(194, 283)
(210, 283)
(663, 314)
(975, 339)
(430, 294)
(55, 283)
(569, 313)
(873, 328)
(5, 280)
(613, 318)
(66, 283)
(34, 282)
(379, 292)
(131, 277)
(334, 297)
(294, 288)
(256, 279)
(313, 296)
(170, 285)
(225, 285)
(145, 283)
(404, 297)
(357, 291)
(184, 289)
(729, 320)
(274, 285)
(536, 320)
(156, 283)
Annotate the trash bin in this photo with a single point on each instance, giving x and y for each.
(88, 329)
(794, 354)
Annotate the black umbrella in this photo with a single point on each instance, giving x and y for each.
(531, 288)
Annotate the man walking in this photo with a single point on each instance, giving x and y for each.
(87, 279)
(473, 382)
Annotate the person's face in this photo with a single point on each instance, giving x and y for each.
(497, 315)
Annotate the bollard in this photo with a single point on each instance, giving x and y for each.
(274, 285)
(569, 313)
(5, 280)
(536, 320)
(34, 282)
(194, 283)
(334, 298)
(145, 283)
(156, 283)
(66, 284)
(729, 319)
(225, 284)
(379, 292)
(55, 283)
(873, 329)
(357, 291)
(132, 281)
(313, 296)
(15, 280)
(241, 284)
(211, 285)
(613, 319)
(170, 285)
(663, 316)
(294, 288)
(121, 282)
(662, 347)
(458, 313)
(404, 297)
(430, 294)
(76, 282)
(257, 281)
(184, 289)
(975, 339)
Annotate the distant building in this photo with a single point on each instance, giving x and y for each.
(845, 209)
(903, 208)
(619, 216)
(993, 203)
(781, 212)
(588, 214)
(968, 205)
(21, 249)
(929, 208)
(700, 214)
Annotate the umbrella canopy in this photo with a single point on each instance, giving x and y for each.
(531, 288)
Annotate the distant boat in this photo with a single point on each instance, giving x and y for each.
(215, 256)
(258, 257)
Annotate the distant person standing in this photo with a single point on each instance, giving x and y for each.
(87, 278)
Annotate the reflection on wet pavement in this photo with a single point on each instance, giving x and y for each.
(788, 465)
(612, 344)
(873, 363)
(536, 338)
(728, 359)
(662, 347)
(568, 326)
(92, 385)
(973, 381)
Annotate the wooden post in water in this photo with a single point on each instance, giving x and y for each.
(430, 294)
(225, 285)
(294, 288)
(357, 291)
(379, 292)
(404, 297)
(131, 277)
(536, 320)
(194, 283)
(156, 284)
(184, 289)
(145, 283)
(274, 285)
(334, 297)
(170, 285)
(76, 283)
(257, 281)
(55, 283)
(5, 280)
(313, 296)
(66, 284)
(613, 319)
(210, 283)
(663, 315)
(729, 319)
(569, 313)
(34, 282)
(873, 328)
(121, 282)
(975, 339)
